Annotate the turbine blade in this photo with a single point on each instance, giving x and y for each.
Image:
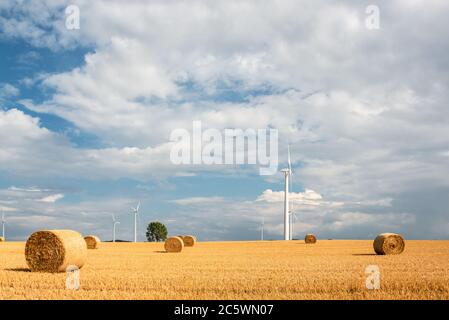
(138, 206)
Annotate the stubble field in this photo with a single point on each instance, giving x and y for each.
(329, 269)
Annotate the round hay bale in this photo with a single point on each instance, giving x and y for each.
(92, 242)
(55, 250)
(389, 243)
(189, 241)
(310, 238)
(2, 239)
(174, 244)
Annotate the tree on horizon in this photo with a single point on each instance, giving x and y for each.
(156, 232)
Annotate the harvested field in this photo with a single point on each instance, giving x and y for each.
(330, 269)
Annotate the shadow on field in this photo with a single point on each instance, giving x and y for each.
(18, 269)
(161, 251)
(364, 254)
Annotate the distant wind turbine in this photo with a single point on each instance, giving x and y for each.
(261, 229)
(292, 213)
(135, 211)
(114, 224)
(287, 173)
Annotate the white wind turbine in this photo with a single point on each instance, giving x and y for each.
(135, 211)
(287, 173)
(261, 228)
(114, 224)
(292, 213)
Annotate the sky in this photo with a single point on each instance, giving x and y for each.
(86, 116)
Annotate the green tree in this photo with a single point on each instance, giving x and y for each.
(156, 232)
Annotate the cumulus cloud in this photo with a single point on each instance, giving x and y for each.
(335, 90)
(30, 149)
(52, 198)
(308, 196)
(365, 111)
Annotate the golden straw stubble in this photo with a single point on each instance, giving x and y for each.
(310, 238)
(92, 242)
(389, 243)
(174, 244)
(55, 250)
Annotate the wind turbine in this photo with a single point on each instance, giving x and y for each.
(292, 214)
(114, 224)
(287, 173)
(261, 229)
(135, 211)
(3, 224)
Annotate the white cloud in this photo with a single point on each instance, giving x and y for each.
(7, 209)
(30, 189)
(198, 201)
(300, 200)
(8, 91)
(52, 198)
(386, 202)
(387, 221)
(15, 196)
(307, 197)
(28, 148)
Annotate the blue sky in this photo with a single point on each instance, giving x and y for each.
(86, 116)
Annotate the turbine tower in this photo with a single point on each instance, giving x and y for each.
(292, 219)
(114, 224)
(135, 211)
(292, 213)
(287, 173)
(286, 211)
(261, 229)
